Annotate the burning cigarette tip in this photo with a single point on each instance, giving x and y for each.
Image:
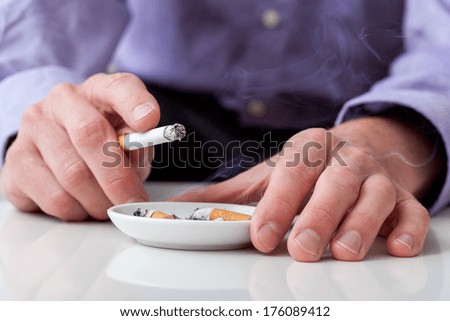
(174, 132)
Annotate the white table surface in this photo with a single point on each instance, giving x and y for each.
(42, 258)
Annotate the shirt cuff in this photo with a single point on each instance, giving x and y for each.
(22, 89)
(434, 107)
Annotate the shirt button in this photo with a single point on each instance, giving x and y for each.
(256, 108)
(271, 18)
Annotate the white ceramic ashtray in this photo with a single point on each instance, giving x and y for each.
(182, 233)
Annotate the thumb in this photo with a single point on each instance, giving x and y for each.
(125, 95)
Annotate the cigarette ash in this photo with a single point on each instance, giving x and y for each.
(140, 212)
(174, 132)
(201, 214)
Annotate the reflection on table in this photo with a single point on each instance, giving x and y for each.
(42, 258)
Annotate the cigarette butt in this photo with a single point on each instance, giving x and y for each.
(225, 215)
(158, 214)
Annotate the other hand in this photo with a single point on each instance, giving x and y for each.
(359, 180)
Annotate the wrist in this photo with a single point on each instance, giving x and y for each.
(411, 153)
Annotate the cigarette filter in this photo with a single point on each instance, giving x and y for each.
(165, 134)
(158, 214)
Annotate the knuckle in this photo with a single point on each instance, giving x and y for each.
(90, 132)
(308, 149)
(30, 114)
(57, 95)
(119, 79)
(340, 172)
(287, 205)
(124, 89)
(305, 137)
(359, 158)
(22, 159)
(342, 178)
(367, 223)
(366, 154)
(315, 134)
(133, 98)
(76, 174)
(341, 181)
(59, 204)
(304, 167)
(325, 217)
(61, 90)
(300, 173)
(384, 187)
(117, 183)
(95, 78)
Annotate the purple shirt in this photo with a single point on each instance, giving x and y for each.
(298, 61)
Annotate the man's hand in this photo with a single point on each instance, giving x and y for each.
(55, 164)
(350, 184)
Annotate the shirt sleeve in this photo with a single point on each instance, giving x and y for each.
(419, 79)
(46, 42)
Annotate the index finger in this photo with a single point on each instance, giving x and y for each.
(290, 184)
(125, 94)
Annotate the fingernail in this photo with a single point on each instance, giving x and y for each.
(406, 240)
(309, 241)
(269, 235)
(350, 241)
(141, 111)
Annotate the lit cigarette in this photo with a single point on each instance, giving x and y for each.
(212, 214)
(165, 134)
